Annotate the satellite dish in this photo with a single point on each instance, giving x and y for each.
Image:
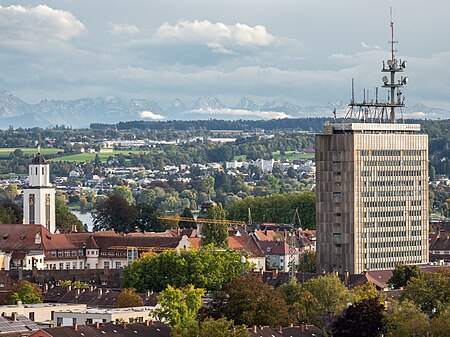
(389, 63)
(385, 79)
(405, 80)
(404, 64)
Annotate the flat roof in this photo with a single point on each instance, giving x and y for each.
(373, 126)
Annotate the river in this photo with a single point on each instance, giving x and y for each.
(85, 218)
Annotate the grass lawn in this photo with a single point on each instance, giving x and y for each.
(5, 152)
(87, 157)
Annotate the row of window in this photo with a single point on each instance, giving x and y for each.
(384, 204)
(382, 214)
(387, 224)
(412, 173)
(387, 265)
(67, 265)
(396, 193)
(389, 183)
(379, 153)
(108, 265)
(394, 163)
(401, 253)
(67, 253)
(392, 244)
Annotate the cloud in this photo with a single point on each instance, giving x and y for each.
(123, 29)
(217, 36)
(38, 24)
(241, 112)
(151, 115)
(367, 46)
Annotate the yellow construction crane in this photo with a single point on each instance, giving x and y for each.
(202, 220)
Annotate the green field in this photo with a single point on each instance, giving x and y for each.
(5, 152)
(289, 155)
(87, 157)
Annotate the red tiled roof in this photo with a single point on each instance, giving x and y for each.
(274, 247)
(247, 243)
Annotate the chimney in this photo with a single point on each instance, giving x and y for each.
(45, 287)
(78, 292)
(75, 327)
(124, 325)
(91, 288)
(97, 325)
(255, 329)
(69, 288)
(100, 292)
(280, 329)
(303, 327)
(14, 316)
(346, 278)
(148, 322)
(147, 295)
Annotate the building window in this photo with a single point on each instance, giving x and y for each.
(61, 265)
(47, 211)
(59, 321)
(80, 252)
(106, 265)
(67, 265)
(67, 252)
(74, 252)
(81, 264)
(118, 264)
(74, 265)
(74, 321)
(31, 316)
(60, 253)
(53, 253)
(31, 208)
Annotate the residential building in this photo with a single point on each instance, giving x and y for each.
(17, 325)
(277, 254)
(372, 186)
(92, 315)
(41, 313)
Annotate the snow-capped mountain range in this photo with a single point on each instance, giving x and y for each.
(81, 112)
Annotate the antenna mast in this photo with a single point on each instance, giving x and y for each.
(367, 110)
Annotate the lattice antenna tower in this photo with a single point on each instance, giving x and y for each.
(382, 112)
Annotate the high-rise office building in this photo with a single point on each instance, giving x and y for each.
(372, 185)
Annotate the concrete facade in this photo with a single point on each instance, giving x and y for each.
(371, 196)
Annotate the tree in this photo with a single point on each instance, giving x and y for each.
(302, 304)
(115, 213)
(148, 218)
(249, 301)
(26, 292)
(10, 192)
(402, 274)
(187, 214)
(12, 213)
(128, 298)
(215, 233)
(307, 263)
(405, 319)
(331, 294)
(440, 326)
(364, 319)
(205, 268)
(65, 219)
(429, 291)
(179, 306)
(125, 193)
(221, 328)
(366, 291)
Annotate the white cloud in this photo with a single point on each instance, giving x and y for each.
(151, 115)
(38, 24)
(123, 29)
(241, 113)
(217, 36)
(367, 46)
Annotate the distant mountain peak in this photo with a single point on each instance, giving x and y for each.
(246, 104)
(208, 103)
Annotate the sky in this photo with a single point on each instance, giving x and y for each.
(304, 52)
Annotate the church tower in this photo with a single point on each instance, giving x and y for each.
(39, 196)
